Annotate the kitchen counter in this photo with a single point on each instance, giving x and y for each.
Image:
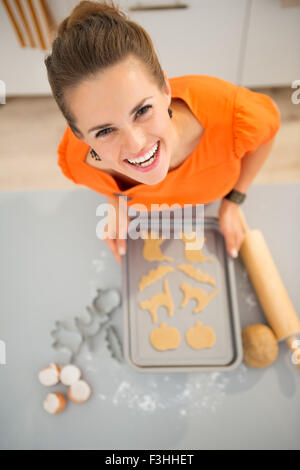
(52, 264)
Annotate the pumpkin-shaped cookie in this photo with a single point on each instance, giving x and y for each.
(165, 337)
(200, 336)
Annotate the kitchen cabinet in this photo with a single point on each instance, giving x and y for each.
(248, 42)
(204, 38)
(272, 50)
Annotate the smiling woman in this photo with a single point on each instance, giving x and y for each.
(108, 83)
(137, 123)
(116, 101)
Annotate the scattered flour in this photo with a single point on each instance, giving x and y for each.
(186, 393)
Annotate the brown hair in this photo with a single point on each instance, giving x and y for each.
(95, 36)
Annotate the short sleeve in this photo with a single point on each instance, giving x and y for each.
(62, 151)
(256, 120)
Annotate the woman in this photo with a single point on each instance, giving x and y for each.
(132, 132)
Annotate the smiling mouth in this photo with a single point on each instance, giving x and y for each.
(147, 162)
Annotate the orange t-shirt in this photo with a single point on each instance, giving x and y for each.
(236, 121)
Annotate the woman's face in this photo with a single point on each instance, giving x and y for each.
(109, 100)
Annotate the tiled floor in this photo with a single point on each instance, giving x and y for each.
(31, 128)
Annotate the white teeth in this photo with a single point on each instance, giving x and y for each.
(145, 157)
(148, 163)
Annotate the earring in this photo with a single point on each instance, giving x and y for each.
(95, 155)
(170, 113)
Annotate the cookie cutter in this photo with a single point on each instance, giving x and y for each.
(70, 340)
(67, 340)
(114, 344)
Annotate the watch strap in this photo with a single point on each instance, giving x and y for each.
(235, 196)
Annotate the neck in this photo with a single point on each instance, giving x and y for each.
(177, 138)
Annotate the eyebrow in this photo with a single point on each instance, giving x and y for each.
(130, 114)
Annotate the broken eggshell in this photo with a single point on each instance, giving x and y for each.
(79, 391)
(70, 374)
(50, 375)
(54, 402)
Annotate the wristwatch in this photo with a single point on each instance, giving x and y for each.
(235, 196)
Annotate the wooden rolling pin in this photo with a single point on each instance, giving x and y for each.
(270, 289)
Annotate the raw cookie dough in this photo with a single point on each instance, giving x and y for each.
(260, 345)
(192, 251)
(197, 274)
(153, 275)
(196, 293)
(200, 336)
(193, 243)
(165, 337)
(151, 250)
(160, 299)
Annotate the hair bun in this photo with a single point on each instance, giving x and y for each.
(87, 9)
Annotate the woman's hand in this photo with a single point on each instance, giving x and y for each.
(117, 227)
(231, 227)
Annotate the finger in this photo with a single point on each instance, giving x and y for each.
(108, 232)
(232, 245)
(239, 238)
(121, 244)
(122, 236)
(122, 228)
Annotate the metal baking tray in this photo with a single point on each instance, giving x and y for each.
(221, 313)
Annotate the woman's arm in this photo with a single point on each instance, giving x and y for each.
(117, 227)
(251, 164)
(229, 220)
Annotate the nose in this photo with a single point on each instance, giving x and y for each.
(134, 142)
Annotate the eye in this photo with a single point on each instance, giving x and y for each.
(103, 133)
(144, 107)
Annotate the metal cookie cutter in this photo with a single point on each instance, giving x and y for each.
(67, 340)
(98, 315)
